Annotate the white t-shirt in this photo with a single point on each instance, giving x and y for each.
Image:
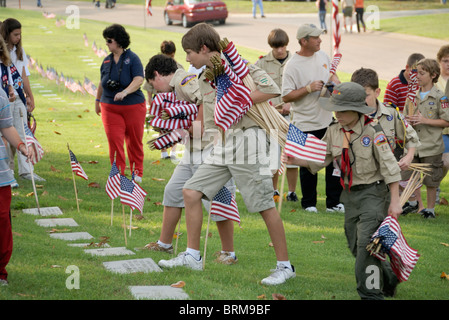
(299, 72)
(19, 64)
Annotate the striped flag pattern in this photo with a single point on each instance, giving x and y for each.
(238, 65)
(403, 258)
(131, 194)
(32, 142)
(336, 27)
(304, 145)
(113, 183)
(224, 205)
(76, 167)
(335, 61)
(167, 140)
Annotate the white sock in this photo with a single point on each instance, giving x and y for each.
(232, 253)
(164, 154)
(431, 210)
(163, 245)
(289, 193)
(194, 253)
(285, 263)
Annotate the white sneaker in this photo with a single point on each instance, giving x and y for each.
(14, 184)
(311, 209)
(279, 275)
(138, 179)
(338, 208)
(183, 259)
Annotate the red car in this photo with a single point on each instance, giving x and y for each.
(189, 12)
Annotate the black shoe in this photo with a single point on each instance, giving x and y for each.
(292, 197)
(408, 208)
(427, 214)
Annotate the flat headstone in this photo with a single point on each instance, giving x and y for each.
(118, 251)
(158, 293)
(88, 245)
(132, 266)
(46, 211)
(71, 236)
(56, 222)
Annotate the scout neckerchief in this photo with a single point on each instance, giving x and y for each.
(17, 83)
(345, 161)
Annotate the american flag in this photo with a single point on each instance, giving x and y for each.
(113, 183)
(76, 167)
(402, 257)
(304, 145)
(336, 27)
(238, 65)
(233, 99)
(32, 142)
(224, 205)
(148, 8)
(131, 194)
(168, 139)
(335, 61)
(413, 85)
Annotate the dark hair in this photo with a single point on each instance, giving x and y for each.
(366, 78)
(119, 34)
(414, 58)
(168, 47)
(277, 38)
(161, 63)
(8, 26)
(199, 35)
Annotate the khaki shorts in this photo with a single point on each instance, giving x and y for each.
(244, 157)
(347, 11)
(435, 177)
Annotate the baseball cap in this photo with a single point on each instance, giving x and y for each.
(347, 96)
(308, 30)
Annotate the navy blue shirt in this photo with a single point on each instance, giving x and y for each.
(131, 67)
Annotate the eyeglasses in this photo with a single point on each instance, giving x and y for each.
(109, 40)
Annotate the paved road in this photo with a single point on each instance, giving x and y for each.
(384, 52)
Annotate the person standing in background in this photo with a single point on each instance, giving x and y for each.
(359, 10)
(321, 5)
(260, 4)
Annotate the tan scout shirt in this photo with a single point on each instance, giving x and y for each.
(263, 83)
(185, 86)
(275, 70)
(431, 137)
(148, 87)
(395, 127)
(370, 154)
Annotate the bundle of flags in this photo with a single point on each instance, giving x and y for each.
(90, 87)
(232, 56)
(169, 116)
(224, 205)
(304, 145)
(130, 193)
(389, 240)
(76, 167)
(31, 141)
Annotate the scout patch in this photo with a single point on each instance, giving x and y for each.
(444, 102)
(365, 141)
(390, 117)
(127, 61)
(380, 140)
(187, 79)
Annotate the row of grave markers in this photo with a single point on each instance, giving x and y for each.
(120, 266)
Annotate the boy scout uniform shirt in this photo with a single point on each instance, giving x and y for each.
(370, 154)
(393, 125)
(434, 106)
(275, 70)
(263, 83)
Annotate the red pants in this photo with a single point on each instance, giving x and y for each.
(125, 123)
(5, 230)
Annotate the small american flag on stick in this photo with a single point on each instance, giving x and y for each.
(32, 142)
(304, 145)
(224, 205)
(131, 194)
(113, 183)
(389, 236)
(76, 167)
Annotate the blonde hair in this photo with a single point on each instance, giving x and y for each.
(4, 53)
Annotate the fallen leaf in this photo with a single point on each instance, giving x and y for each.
(86, 110)
(39, 186)
(16, 234)
(276, 198)
(97, 146)
(293, 210)
(209, 235)
(443, 201)
(53, 230)
(55, 266)
(44, 193)
(93, 185)
(323, 237)
(444, 244)
(93, 161)
(271, 244)
(318, 241)
(61, 197)
(80, 116)
(30, 194)
(157, 179)
(262, 296)
(57, 132)
(156, 162)
(14, 194)
(278, 296)
(179, 284)
(444, 276)
(138, 217)
(177, 235)
(158, 203)
(54, 169)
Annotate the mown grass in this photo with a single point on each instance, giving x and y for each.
(317, 244)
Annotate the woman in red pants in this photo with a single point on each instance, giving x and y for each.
(121, 102)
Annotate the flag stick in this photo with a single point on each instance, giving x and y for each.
(30, 165)
(112, 210)
(282, 189)
(207, 236)
(177, 235)
(124, 224)
(130, 220)
(74, 183)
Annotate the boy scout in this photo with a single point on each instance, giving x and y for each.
(401, 136)
(370, 175)
(429, 118)
(201, 43)
(273, 63)
(165, 76)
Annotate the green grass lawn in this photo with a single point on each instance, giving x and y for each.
(37, 270)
